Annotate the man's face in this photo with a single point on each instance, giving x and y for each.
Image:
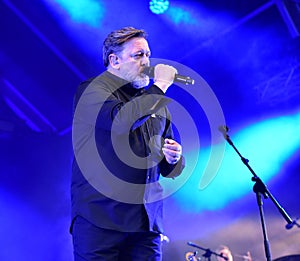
(133, 58)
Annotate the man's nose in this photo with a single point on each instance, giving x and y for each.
(145, 61)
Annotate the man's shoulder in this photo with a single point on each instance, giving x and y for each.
(105, 79)
(99, 80)
(100, 77)
(86, 82)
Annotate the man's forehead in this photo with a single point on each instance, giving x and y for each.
(137, 43)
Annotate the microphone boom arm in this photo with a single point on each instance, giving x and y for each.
(208, 252)
(259, 188)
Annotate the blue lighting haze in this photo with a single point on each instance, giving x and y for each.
(180, 16)
(89, 12)
(268, 145)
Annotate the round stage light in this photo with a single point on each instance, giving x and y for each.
(159, 6)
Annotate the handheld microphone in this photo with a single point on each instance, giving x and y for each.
(149, 70)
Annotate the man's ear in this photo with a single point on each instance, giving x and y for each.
(114, 61)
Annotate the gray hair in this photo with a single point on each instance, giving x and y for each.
(115, 40)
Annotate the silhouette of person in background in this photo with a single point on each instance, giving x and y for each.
(222, 250)
(225, 252)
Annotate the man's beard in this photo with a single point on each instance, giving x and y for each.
(140, 82)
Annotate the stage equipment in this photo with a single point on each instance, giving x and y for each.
(208, 253)
(260, 190)
(288, 258)
(191, 256)
(158, 6)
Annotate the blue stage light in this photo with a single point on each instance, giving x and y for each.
(268, 145)
(89, 12)
(159, 6)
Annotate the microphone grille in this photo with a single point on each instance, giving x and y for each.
(149, 70)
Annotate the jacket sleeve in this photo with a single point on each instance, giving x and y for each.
(171, 170)
(166, 169)
(101, 107)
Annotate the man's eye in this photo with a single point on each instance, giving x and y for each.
(139, 55)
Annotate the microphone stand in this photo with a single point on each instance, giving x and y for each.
(208, 252)
(260, 189)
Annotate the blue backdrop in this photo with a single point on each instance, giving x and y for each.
(245, 59)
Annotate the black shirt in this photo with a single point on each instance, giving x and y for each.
(118, 133)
